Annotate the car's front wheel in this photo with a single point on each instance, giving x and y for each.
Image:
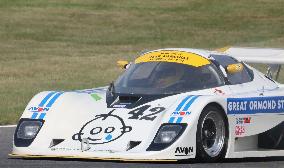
(212, 135)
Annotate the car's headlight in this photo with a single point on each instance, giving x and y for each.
(26, 131)
(166, 135)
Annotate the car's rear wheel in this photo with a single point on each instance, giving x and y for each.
(212, 135)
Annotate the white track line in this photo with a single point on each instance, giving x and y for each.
(7, 126)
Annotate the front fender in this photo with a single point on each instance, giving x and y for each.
(188, 138)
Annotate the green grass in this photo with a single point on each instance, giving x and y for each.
(74, 44)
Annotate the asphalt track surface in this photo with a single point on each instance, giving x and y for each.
(6, 136)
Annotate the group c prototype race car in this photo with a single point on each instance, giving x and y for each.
(169, 104)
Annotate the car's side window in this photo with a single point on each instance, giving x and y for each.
(235, 78)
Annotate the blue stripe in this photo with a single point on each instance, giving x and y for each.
(41, 104)
(42, 115)
(34, 116)
(182, 103)
(190, 103)
(179, 120)
(172, 119)
(50, 103)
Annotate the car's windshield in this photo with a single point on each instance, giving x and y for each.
(166, 78)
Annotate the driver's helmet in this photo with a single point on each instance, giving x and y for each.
(168, 74)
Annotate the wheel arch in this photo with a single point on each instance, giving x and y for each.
(221, 109)
(219, 106)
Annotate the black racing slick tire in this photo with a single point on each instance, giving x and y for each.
(212, 135)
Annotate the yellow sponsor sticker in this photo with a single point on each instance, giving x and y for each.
(180, 57)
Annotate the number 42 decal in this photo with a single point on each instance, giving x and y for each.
(138, 113)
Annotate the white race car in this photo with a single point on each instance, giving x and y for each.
(169, 104)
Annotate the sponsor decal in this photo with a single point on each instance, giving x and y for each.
(104, 128)
(64, 149)
(243, 120)
(255, 105)
(240, 130)
(182, 109)
(77, 149)
(181, 57)
(181, 113)
(38, 109)
(184, 151)
(96, 97)
(218, 91)
(91, 91)
(95, 93)
(44, 106)
(119, 105)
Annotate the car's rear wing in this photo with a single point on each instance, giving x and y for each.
(256, 55)
(273, 57)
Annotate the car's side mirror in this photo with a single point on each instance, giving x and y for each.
(122, 64)
(234, 68)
